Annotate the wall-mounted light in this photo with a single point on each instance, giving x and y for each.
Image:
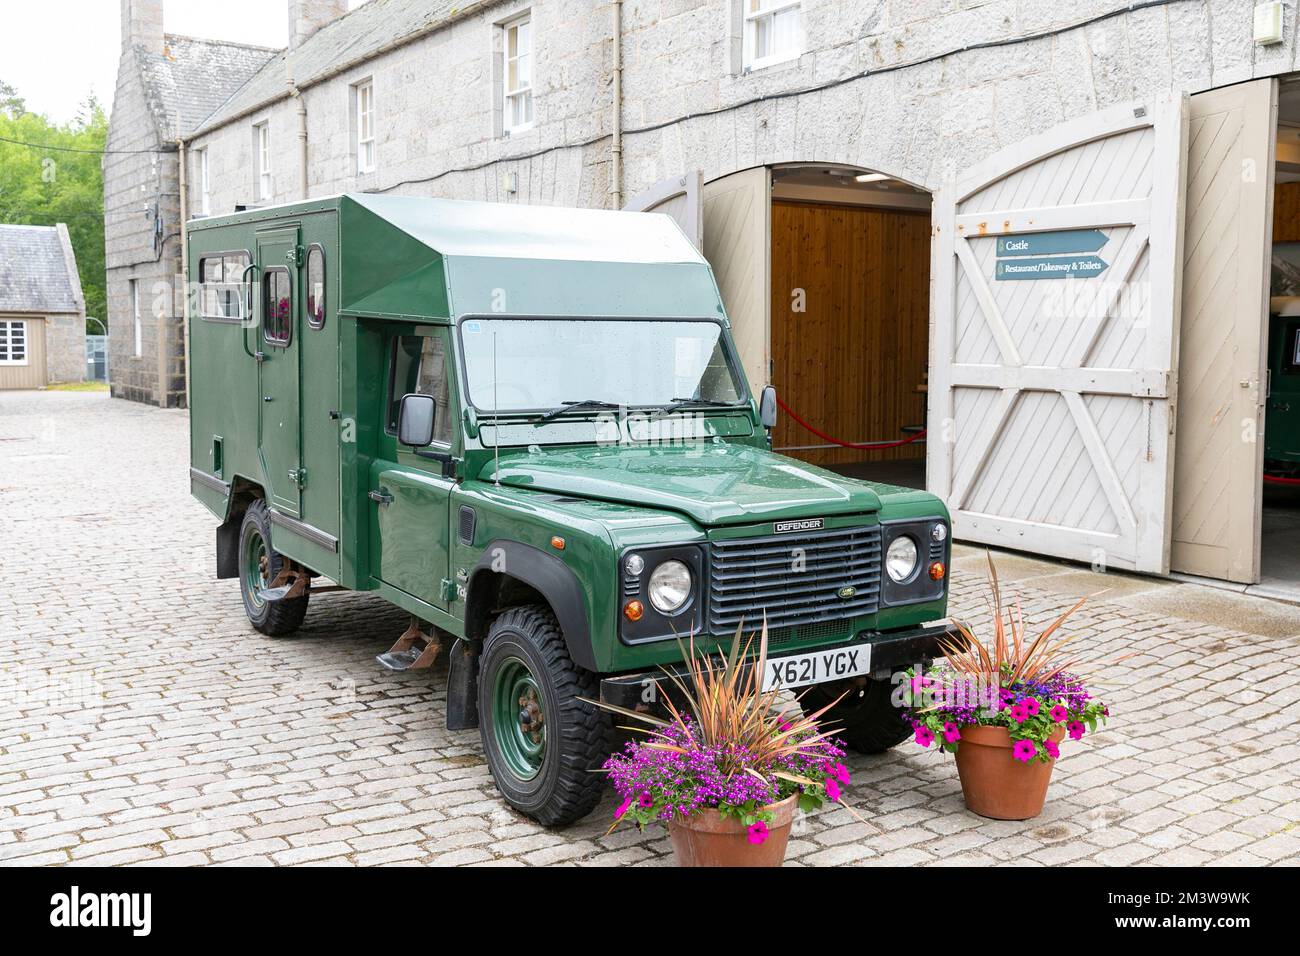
(1268, 23)
(872, 178)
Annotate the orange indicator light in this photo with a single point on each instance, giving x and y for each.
(633, 610)
(937, 571)
(557, 543)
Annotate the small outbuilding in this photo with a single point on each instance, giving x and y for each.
(42, 310)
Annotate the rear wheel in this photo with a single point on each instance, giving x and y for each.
(259, 563)
(866, 719)
(542, 743)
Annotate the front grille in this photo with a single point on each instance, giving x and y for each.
(793, 579)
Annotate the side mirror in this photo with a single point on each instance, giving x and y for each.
(767, 406)
(415, 417)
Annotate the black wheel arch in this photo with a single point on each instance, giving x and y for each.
(549, 578)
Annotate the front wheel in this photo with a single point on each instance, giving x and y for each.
(866, 719)
(542, 743)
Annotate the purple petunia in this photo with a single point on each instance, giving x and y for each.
(1076, 729)
(924, 735)
(1024, 750)
(1059, 713)
(622, 808)
(757, 832)
(951, 732)
(1031, 705)
(832, 788)
(1020, 712)
(1052, 749)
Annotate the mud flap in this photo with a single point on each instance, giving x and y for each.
(462, 686)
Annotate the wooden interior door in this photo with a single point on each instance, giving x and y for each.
(850, 324)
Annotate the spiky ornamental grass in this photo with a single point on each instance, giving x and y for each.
(1027, 685)
(730, 747)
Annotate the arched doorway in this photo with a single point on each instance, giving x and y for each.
(824, 269)
(850, 303)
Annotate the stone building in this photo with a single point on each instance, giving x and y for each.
(165, 86)
(42, 309)
(873, 182)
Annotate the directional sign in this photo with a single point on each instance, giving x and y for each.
(1050, 267)
(1051, 243)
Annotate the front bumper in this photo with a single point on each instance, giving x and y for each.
(890, 650)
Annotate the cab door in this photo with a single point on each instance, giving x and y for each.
(410, 489)
(279, 429)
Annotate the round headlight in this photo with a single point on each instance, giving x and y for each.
(670, 586)
(939, 532)
(900, 559)
(634, 564)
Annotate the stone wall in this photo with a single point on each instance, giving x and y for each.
(921, 116)
(141, 177)
(65, 347)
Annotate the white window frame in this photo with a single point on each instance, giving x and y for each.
(135, 312)
(363, 107)
(750, 20)
(508, 96)
(205, 195)
(262, 159)
(7, 329)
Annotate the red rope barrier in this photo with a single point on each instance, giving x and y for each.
(864, 446)
(1276, 480)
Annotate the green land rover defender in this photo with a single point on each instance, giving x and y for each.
(530, 429)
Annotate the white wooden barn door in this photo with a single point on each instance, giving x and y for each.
(1221, 367)
(1055, 340)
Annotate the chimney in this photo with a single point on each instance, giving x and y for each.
(308, 16)
(142, 25)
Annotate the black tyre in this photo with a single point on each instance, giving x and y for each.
(866, 719)
(542, 743)
(259, 563)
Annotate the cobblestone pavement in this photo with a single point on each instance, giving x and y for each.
(143, 721)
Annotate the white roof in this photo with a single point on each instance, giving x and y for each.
(460, 228)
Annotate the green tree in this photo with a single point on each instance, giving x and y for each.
(50, 173)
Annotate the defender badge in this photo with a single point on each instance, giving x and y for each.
(847, 592)
(800, 524)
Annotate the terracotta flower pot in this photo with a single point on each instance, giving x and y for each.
(707, 838)
(996, 784)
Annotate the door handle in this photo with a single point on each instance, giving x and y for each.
(266, 398)
(381, 496)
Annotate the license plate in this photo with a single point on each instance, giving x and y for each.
(817, 667)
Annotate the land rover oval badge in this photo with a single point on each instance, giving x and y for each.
(847, 592)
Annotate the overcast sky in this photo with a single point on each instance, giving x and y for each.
(56, 52)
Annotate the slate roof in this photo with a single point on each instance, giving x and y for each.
(193, 77)
(38, 272)
(357, 35)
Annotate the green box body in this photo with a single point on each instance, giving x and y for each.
(307, 425)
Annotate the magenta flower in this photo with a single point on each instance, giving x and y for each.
(1024, 750)
(1020, 713)
(1031, 704)
(1053, 751)
(920, 683)
(924, 736)
(622, 808)
(784, 726)
(1076, 730)
(645, 801)
(757, 832)
(1059, 713)
(951, 732)
(832, 788)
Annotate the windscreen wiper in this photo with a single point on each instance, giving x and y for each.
(678, 404)
(579, 406)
